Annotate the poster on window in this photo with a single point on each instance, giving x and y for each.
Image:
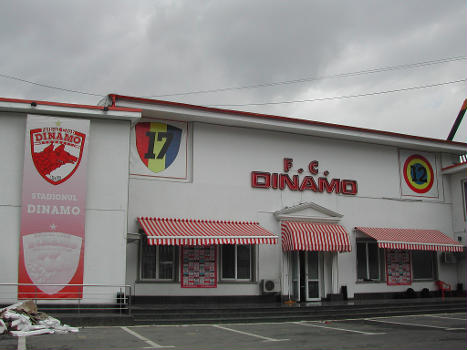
(199, 267)
(418, 174)
(398, 267)
(51, 246)
(159, 149)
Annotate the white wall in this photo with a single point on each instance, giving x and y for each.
(12, 131)
(459, 219)
(458, 206)
(224, 157)
(106, 204)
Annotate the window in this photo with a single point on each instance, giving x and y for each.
(157, 262)
(423, 265)
(368, 261)
(237, 262)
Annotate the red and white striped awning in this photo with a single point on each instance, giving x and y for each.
(314, 236)
(164, 231)
(411, 239)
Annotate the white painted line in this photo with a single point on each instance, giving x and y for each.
(449, 318)
(455, 329)
(21, 343)
(310, 324)
(411, 324)
(246, 333)
(151, 344)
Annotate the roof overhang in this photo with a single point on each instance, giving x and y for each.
(180, 111)
(69, 110)
(455, 168)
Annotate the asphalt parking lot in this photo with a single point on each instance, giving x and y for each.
(433, 331)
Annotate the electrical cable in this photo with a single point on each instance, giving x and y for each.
(333, 76)
(260, 85)
(49, 86)
(343, 96)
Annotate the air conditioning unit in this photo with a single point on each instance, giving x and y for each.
(269, 286)
(448, 258)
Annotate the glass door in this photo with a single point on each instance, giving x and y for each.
(305, 276)
(294, 256)
(312, 280)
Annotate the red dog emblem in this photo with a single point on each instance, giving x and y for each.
(56, 152)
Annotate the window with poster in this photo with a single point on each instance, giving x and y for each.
(158, 262)
(237, 262)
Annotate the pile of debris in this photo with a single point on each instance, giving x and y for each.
(23, 319)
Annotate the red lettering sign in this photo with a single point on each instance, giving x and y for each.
(266, 180)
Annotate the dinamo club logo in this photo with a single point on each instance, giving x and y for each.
(418, 173)
(56, 152)
(157, 144)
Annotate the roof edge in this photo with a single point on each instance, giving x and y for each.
(68, 105)
(115, 97)
(454, 168)
(69, 109)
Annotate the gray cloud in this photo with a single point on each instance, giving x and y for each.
(147, 48)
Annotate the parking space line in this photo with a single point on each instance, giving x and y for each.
(412, 324)
(311, 324)
(449, 318)
(151, 344)
(246, 333)
(21, 343)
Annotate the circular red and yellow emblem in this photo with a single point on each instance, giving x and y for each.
(418, 173)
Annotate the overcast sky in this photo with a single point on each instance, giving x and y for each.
(334, 48)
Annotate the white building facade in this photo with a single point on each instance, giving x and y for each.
(188, 202)
(319, 188)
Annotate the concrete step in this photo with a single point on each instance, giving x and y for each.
(290, 314)
(286, 318)
(200, 308)
(273, 312)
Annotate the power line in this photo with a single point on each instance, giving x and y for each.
(344, 96)
(333, 76)
(295, 81)
(48, 86)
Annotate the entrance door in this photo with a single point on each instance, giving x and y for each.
(305, 276)
(312, 283)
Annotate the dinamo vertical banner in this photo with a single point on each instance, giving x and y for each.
(51, 256)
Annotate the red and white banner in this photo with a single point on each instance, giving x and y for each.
(51, 255)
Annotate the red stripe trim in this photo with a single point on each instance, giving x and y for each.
(314, 237)
(69, 105)
(454, 166)
(115, 97)
(412, 239)
(162, 231)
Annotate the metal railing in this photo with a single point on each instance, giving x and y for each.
(77, 298)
